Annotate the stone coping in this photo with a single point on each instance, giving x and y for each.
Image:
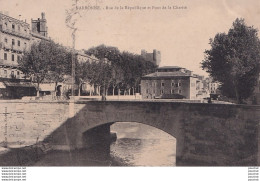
(193, 102)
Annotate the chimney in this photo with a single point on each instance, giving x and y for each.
(43, 15)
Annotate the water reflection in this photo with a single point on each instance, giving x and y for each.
(142, 145)
(137, 145)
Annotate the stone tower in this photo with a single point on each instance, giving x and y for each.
(154, 57)
(39, 26)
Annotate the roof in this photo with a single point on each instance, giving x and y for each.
(169, 67)
(19, 84)
(14, 19)
(167, 74)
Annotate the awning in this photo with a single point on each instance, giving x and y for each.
(47, 87)
(19, 84)
(2, 85)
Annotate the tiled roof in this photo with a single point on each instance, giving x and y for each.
(168, 74)
(169, 67)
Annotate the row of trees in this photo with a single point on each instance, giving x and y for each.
(234, 60)
(115, 71)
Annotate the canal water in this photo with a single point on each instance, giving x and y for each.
(136, 145)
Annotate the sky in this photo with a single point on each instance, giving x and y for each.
(181, 35)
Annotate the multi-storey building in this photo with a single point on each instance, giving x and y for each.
(154, 57)
(211, 86)
(82, 57)
(175, 81)
(16, 38)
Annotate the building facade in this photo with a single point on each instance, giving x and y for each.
(174, 82)
(82, 57)
(14, 40)
(154, 57)
(16, 37)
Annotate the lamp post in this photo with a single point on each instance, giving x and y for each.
(73, 63)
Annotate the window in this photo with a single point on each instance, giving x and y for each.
(162, 91)
(12, 57)
(162, 84)
(13, 42)
(18, 74)
(12, 73)
(6, 41)
(13, 27)
(178, 84)
(172, 84)
(179, 91)
(172, 91)
(5, 73)
(19, 43)
(5, 56)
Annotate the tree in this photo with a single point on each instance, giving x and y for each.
(125, 69)
(36, 63)
(233, 60)
(60, 63)
(46, 60)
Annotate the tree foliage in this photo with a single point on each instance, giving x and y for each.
(45, 60)
(124, 70)
(114, 69)
(233, 60)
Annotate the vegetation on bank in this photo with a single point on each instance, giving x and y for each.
(233, 60)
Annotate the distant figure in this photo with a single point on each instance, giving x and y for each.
(103, 97)
(67, 95)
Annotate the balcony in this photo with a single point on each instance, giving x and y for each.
(15, 48)
(15, 33)
(7, 63)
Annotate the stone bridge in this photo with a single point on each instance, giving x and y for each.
(206, 134)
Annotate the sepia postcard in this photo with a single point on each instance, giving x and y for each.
(129, 83)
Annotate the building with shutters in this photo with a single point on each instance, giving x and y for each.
(16, 37)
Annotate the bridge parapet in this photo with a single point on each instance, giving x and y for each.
(206, 134)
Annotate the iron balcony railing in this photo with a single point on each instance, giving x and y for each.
(12, 47)
(8, 63)
(15, 33)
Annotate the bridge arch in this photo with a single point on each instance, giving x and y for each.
(206, 134)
